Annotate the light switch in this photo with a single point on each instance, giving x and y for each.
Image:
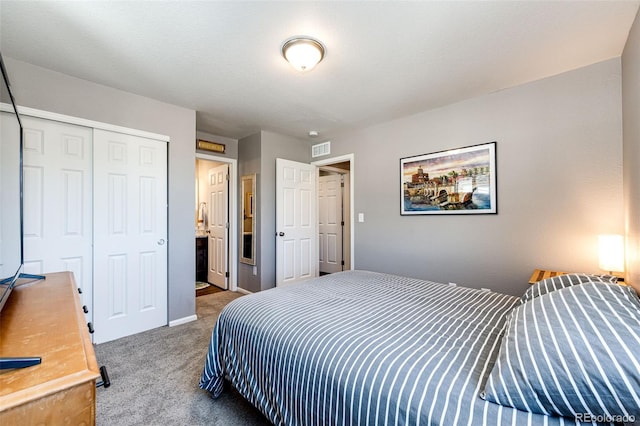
(360, 217)
(255, 270)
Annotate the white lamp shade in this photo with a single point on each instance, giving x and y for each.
(303, 53)
(611, 252)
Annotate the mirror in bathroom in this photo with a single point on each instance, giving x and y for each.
(248, 245)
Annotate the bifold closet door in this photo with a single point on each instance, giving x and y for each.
(130, 235)
(58, 223)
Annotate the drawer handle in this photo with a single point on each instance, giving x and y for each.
(90, 326)
(105, 378)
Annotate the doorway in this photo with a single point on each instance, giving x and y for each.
(215, 225)
(297, 227)
(335, 218)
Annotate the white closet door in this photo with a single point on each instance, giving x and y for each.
(58, 201)
(130, 235)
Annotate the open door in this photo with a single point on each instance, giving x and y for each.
(296, 223)
(218, 231)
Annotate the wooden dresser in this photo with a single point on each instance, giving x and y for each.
(45, 319)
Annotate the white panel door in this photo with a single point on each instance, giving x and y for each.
(130, 235)
(58, 223)
(296, 223)
(330, 223)
(218, 225)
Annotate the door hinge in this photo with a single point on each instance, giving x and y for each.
(227, 176)
(226, 225)
(226, 274)
(342, 223)
(342, 262)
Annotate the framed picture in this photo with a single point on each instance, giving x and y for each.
(456, 181)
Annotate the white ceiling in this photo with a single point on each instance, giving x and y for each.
(384, 59)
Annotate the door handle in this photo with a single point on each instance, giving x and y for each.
(161, 242)
(281, 234)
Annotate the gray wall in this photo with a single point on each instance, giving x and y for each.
(631, 129)
(559, 155)
(46, 90)
(559, 176)
(249, 152)
(257, 154)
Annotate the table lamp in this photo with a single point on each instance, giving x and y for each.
(611, 253)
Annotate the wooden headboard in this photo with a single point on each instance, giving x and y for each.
(543, 274)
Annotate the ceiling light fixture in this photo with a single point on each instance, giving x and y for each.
(302, 52)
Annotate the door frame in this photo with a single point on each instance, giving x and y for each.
(232, 246)
(352, 173)
(345, 227)
(69, 119)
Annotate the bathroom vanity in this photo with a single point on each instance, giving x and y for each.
(201, 258)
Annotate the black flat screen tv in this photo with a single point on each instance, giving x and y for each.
(11, 208)
(11, 231)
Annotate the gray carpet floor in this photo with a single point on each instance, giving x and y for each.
(154, 377)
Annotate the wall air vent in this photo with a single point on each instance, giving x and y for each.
(321, 149)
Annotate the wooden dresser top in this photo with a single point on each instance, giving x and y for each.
(45, 319)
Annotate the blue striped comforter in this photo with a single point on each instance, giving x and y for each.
(364, 348)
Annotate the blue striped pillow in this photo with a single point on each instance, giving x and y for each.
(573, 352)
(562, 281)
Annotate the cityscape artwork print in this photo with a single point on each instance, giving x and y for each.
(455, 181)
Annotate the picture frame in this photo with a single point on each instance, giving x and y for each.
(454, 181)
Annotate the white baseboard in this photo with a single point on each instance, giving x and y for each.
(243, 291)
(184, 320)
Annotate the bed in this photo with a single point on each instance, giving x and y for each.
(366, 348)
